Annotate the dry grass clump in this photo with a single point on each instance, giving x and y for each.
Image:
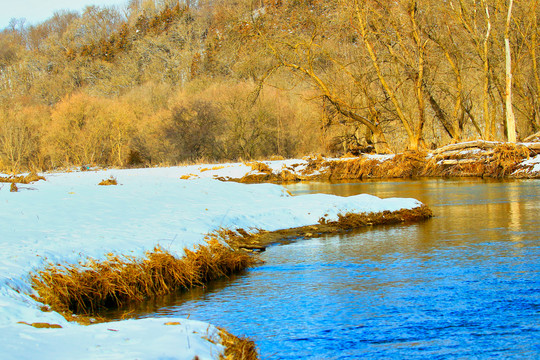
(241, 239)
(482, 160)
(260, 167)
(288, 176)
(473, 168)
(315, 163)
(357, 168)
(41, 325)
(352, 221)
(237, 348)
(258, 178)
(405, 165)
(506, 158)
(110, 181)
(30, 178)
(13, 188)
(499, 160)
(88, 287)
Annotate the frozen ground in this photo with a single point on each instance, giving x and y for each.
(69, 217)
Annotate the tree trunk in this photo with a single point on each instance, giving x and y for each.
(488, 135)
(510, 119)
(386, 87)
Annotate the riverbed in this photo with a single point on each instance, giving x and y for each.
(465, 284)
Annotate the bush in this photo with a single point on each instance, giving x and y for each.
(89, 130)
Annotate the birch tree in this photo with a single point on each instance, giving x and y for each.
(510, 119)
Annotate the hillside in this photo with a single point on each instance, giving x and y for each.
(164, 83)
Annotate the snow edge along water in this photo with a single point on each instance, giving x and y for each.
(69, 218)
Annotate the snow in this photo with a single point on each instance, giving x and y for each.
(379, 157)
(68, 218)
(531, 165)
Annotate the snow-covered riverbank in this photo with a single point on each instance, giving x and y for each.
(69, 217)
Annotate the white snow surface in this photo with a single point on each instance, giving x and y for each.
(532, 165)
(69, 218)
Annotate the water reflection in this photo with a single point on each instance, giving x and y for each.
(465, 284)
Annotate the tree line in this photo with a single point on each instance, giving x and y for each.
(166, 82)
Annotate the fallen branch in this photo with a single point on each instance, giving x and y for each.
(481, 144)
(532, 137)
(458, 161)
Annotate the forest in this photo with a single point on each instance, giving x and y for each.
(166, 82)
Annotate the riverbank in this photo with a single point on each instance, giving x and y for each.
(67, 219)
(471, 159)
(260, 239)
(395, 292)
(485, 159)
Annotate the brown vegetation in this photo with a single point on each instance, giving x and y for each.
(260, 167)
(237, 348)
(92, 285)
(168, 82)
(479, 159)
(472, 159)
(27, 179)
(40, 325)
(109, 181)
(404, 165)
(353, 221)
(258, 240)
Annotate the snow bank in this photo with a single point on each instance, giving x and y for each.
(530, 166)
(69, 218)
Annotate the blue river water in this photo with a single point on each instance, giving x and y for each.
(465, 284)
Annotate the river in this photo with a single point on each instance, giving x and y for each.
(465, 284)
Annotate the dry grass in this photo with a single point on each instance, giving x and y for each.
(93, 285)
(481, 159)
(288, 176)
(258, 178)
(353, 221)
(30, 178)
(13, 188)
(500, 162)
(258, 240)
(265, 174)
(41, 325)
(241, 239)
(315, 163)
(405, 165)
(237, 348)
(506, 158)
(260, 167)
(219, 167)
(110, 181)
